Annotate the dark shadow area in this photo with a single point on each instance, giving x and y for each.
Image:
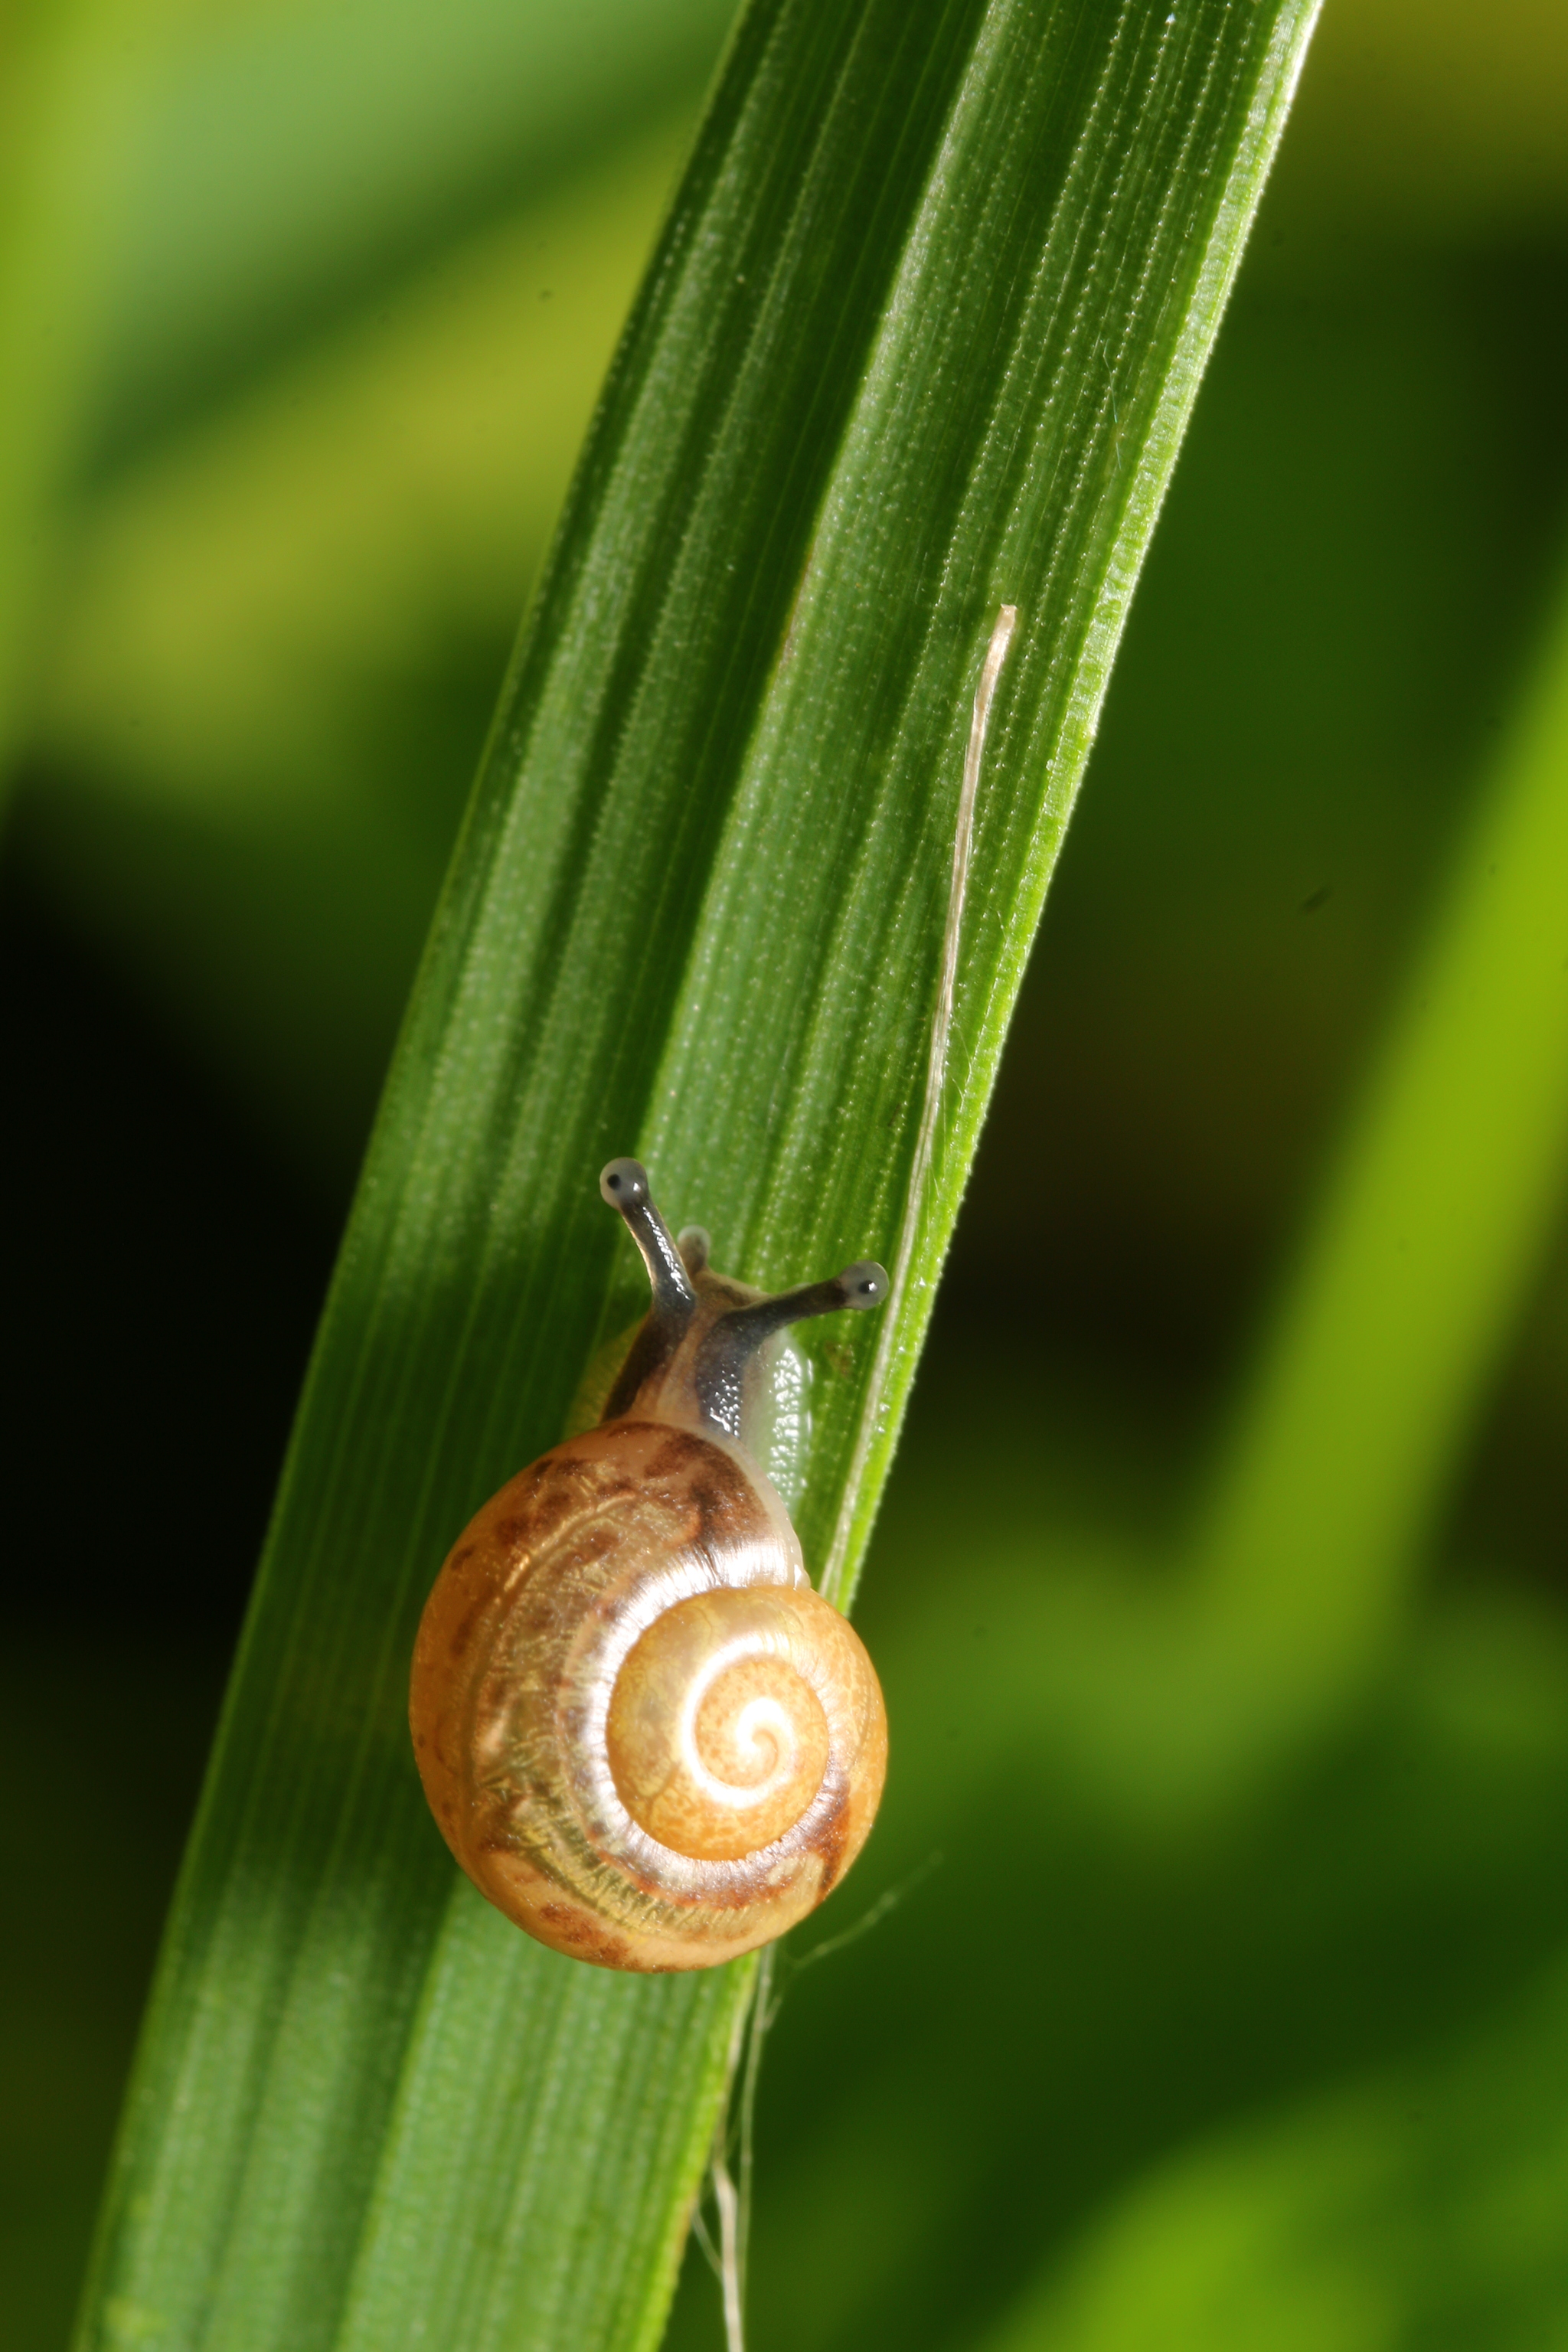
(164, 1280)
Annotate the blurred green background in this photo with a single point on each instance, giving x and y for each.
(1182, 2015)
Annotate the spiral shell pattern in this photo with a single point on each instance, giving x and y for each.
(646, 1739)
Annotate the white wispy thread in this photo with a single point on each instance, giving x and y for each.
(936, 1080)
(732, 2199)
(733, 2196)
(731, 2276)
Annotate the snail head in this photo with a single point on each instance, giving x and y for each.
(692, 1359)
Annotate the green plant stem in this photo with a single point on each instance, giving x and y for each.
(1443, 1202)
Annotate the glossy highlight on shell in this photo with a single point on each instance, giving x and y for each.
(644, 1736)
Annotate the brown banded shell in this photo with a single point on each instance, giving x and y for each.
(642, 1743)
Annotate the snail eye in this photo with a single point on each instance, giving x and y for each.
(624, 1184)
(864, 1284)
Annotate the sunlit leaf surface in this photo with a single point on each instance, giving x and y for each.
(920, 340)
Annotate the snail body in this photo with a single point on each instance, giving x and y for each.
(644, 1736)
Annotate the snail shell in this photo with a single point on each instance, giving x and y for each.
(643, 1735)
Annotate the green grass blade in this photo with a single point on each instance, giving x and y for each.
(1444, 1198)
(920, 338)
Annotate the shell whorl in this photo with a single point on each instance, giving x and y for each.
(644, 1736)
(723, 1719)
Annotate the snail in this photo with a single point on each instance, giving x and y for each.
(644, 1736)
